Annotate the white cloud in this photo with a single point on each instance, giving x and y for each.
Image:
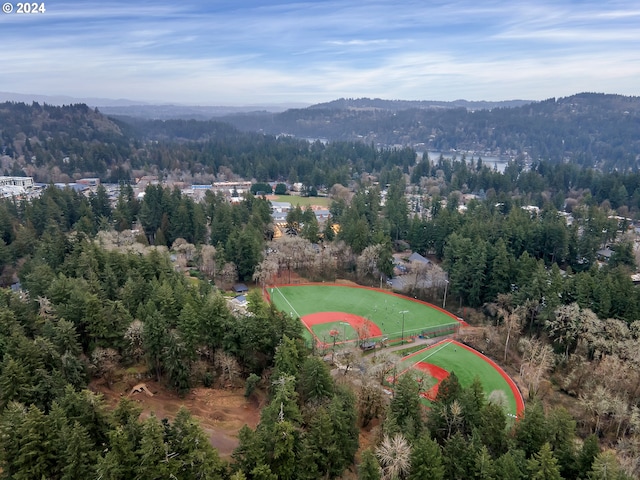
(316, 51)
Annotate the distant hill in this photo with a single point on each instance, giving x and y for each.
(588, 128)
(60, 100)
(72, 139)
(396, 105)
(64, 142)
(135, 108)
(186, 112)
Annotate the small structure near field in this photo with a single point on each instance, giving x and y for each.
(369, 345)
(141, 388)
(240, 289)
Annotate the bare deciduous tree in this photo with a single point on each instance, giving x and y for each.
(537, 360)
(229, 274)
(105, 361)
(598, 403)
(381, 364)
(207, 260)
(394, 455)
(367, 262)
(135, 341)
(45, 308)
(511, 323)
(265, 271)
(228, 365)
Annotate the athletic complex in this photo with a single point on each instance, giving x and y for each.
(343, 315)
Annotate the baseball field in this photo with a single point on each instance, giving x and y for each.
(341, 314)
(353, 313)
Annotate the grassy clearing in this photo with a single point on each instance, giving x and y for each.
(302, 201)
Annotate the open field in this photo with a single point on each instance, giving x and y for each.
(302, 201)
(467, 364)
(386, 311)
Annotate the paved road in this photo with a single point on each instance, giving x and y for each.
(418, 341)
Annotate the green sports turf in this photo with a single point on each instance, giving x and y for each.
(382, 309)
(466, 366)
(345, 332)
(302, 201)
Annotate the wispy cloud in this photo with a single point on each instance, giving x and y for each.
(253, 51)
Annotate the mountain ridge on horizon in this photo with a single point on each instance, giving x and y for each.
(167, 110)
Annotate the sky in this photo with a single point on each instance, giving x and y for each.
(249, 52)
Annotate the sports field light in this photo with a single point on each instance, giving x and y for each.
(344, 329)
(403, 312)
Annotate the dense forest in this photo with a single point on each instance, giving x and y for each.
(107, 285)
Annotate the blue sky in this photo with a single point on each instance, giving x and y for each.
(273, 52)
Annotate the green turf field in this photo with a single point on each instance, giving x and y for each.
(344, 331)
(466, 366)
(303, 201)
(385, 310)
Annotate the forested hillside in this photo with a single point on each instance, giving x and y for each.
(592, 130)
(64, 143)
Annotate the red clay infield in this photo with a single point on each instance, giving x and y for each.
(358, 323)
(436, 372)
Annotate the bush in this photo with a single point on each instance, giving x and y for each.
(251, 384)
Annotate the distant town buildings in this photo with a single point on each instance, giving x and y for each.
(15, 186)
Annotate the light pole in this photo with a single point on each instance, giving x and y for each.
(344, 330)
(444, 300)
(403, 312)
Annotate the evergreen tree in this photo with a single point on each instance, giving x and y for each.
(119, 460)
(369, 469)
(80, 456)
(484, 468)
(472, 401)
(426, 460)
(562, 433)
(405, 409)
(35, 457)
(511, 466)
(343, 414)
(492, 429)
(282, 459)
(588, 453)
(177, 362)
(605, 467)
(531, 431)
(155, 341)
(288, 359)
(458, 458)
(195, 458)
(321, 453)
(315, 382)
(544, 466)
(249, 454)
(155, 461)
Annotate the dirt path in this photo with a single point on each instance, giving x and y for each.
(221, 413)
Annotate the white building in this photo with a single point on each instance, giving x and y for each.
(15, 186)
(24, 182)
